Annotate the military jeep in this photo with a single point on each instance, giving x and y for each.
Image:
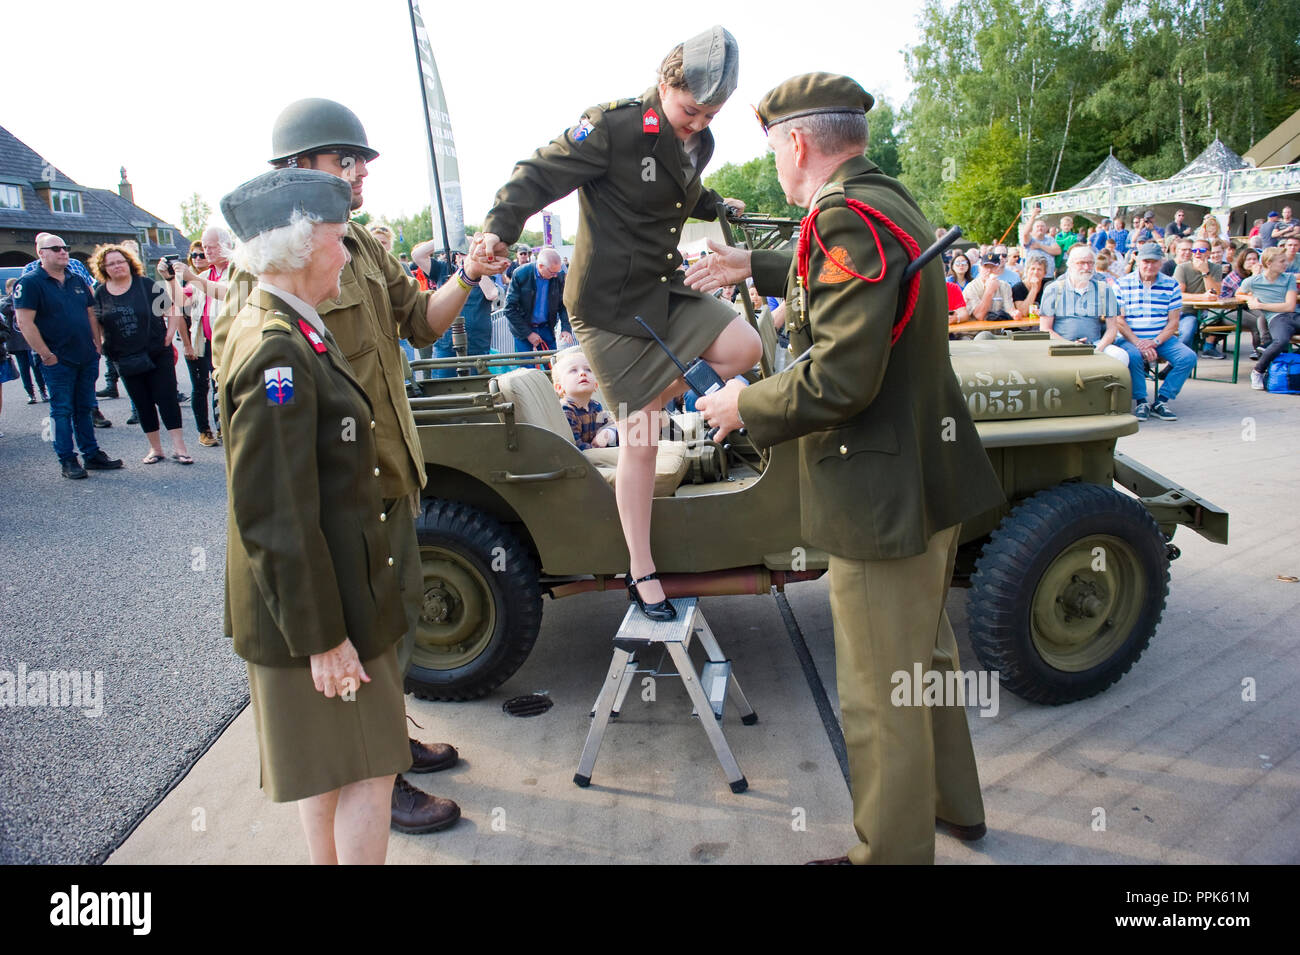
(1068, 581)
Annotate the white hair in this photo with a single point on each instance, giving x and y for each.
(550, 255)
(832, 133)
(286, 249)
(1082, 248)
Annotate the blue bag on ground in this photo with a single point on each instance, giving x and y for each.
(1284, 375)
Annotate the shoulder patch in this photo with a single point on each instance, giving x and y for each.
(279, 385)
(836, 268)
(581, 131)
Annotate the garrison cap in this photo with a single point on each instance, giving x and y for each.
(710, 65)
(1150, 251)
(269, 201)
(813, 93)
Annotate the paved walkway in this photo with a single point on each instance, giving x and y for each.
(1175, 763)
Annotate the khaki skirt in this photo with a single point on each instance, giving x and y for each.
(311, 745)
(633, 371)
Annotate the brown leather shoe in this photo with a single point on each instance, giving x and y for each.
(431, 757)
(838, 860)
(965, 833)
(415, 811)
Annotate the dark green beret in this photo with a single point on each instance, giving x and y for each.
(813, 93)
(269, 201)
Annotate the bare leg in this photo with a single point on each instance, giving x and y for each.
(177, 437)
(317, 814)
(735, 350)
(361, 825)
(154, 444)
(638, 440)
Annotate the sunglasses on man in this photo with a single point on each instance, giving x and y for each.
(56, 248)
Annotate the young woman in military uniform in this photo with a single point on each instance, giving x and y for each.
(637, 164)
(312, 597)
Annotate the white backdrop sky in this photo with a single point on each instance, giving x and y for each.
(514, 78)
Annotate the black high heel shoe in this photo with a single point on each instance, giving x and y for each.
(661, 611)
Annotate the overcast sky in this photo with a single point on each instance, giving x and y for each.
(186, 101)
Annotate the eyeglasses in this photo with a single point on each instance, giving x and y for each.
(1199, 251)
(198, 255)
(56, 248)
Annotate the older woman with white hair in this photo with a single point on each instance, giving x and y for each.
(312, 599)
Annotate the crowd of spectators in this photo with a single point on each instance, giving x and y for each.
(1131, 282)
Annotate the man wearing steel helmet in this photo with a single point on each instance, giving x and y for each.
(378, 304)
(890, 462)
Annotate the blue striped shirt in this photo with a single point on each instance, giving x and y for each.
(1147, 308)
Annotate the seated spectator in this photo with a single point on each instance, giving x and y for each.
(575, 383)
(1287, 227)
(1266, 240)
(1254, 229)
(1010, 271)
(1100, 235)
(959, 271)
(1105, 268)
(1198, 276)
(1151, 303)
(1245, 265)
(139, 322)
(957, 310)
(1034, 238)
(1179, 255)
(1291, 249)
(1120, 235)
(1272, 291)
(1026, 293)
(1065, 238)
(1147, 231)
(1178, 227)
(1209, 228)
(988, 296)
(1080, 307)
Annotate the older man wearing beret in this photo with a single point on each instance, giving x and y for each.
(891, 463)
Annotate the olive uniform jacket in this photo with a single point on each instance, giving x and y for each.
(889, 455)
(378, 303)
(636, 191)
(307, 561)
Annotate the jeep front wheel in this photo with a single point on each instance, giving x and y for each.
(1068, 592)
(482, 604)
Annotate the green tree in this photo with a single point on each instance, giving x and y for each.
(985, 198)
(194, 216)
(882, 145)
(755, 184)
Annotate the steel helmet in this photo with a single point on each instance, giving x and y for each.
(314, 125)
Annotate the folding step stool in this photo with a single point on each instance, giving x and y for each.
(709, 689)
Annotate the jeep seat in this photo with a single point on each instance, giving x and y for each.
(537, 404)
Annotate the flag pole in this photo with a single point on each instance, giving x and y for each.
(459, 340)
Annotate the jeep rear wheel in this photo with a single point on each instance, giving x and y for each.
(482, 604)
(1068, 592)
